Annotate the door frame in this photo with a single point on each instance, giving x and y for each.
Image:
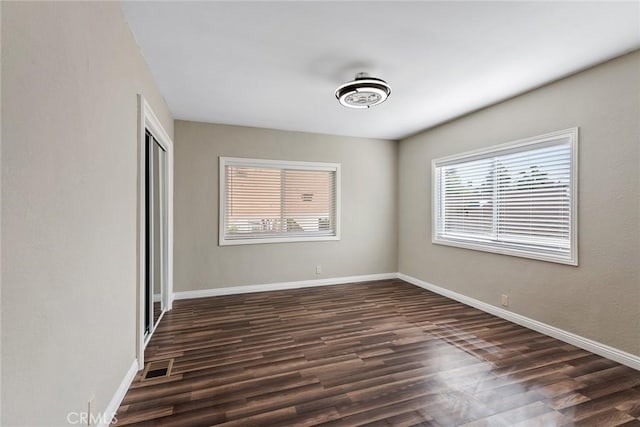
(148, 120)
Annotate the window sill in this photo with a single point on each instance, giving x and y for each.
(230, 242)
(507, 251)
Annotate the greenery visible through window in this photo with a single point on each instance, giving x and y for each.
(517, 199)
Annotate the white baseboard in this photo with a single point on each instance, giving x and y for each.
(117, 398)
(603, 350)
(281, 286)
(596, 347)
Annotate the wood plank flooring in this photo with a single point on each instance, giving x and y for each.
(382, 353)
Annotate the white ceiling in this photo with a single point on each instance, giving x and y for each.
(277, 64)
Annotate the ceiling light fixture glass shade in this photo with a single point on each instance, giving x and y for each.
(363, 92)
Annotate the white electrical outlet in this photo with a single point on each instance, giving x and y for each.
(504, 300)
(318, 269)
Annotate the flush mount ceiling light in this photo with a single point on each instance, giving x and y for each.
(363, 92)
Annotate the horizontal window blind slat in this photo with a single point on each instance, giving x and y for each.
(520, 198)
(272, 201)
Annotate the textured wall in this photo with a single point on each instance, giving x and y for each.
(368, 223)
(71, 73)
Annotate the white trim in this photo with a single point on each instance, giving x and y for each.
(259, 241)
(118, 396)
(222, 196)
(232, 290)
(503, 251)
(509, 147)
(141, 234)
(154, 125)
(596, 347)
(148, 120)
(281, 164)
(338, 206)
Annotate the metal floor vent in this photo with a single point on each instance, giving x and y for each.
(157, 369)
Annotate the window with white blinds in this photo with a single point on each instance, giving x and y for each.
(268, 201)
(516, 199)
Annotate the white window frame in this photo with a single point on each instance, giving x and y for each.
(514, 146)
(283, 164)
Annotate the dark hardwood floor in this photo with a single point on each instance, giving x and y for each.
(382, 353)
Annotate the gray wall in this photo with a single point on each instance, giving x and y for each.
(70, 75)
(369, 223)
(600, 299)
